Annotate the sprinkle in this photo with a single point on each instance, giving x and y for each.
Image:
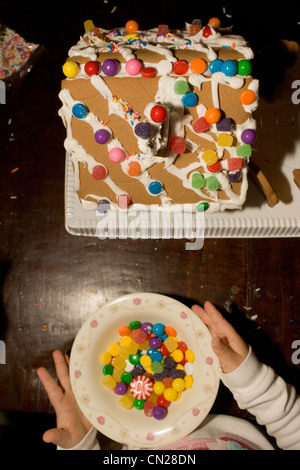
(105, 122)
(113, 10)
(14, 170)
(233, 45)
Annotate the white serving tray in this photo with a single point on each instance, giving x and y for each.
(277, 153)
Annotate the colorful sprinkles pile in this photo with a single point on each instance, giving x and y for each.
(148, 367)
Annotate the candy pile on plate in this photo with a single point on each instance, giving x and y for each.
(148, 367)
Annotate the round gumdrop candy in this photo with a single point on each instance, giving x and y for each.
(155, 342)
(189, 99)
(198, 180)
(99, 172)
(116, 155)
(133, 67)
(155, 187)
(229, 68)
(142, 130)
(181, 67)
(146, 327)
(159, 412)
(102, 136)
(110, 67)
(214, 22)
(132, 26)
(139, 404)
(244, 67)
(91, 68)
(158, 329)
(181, 87)
(198, 66)
(215, 65)
(70, 69)
(121, 388)
(248, 136)
(158, 113)
(212, 115)
(247, 96)
(79, 111)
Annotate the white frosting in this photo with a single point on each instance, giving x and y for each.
(176, 120)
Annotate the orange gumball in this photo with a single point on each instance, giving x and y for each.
(247, 96)
(198, 66)
(214, 22)
(213, 115)
(132, 26)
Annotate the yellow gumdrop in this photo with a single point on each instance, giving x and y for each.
(170, 394)
(189, 355)
(210, 157)
(105, 358)
(114, 349)
(159, 388)
(178, 384)
(188, 381)
(225, 140)
(125, 340)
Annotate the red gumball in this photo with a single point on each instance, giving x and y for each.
(91, 68)
(158, 113)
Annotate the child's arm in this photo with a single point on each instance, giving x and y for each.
(72, 426)
(255, 386)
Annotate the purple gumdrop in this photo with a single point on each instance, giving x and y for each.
(146, 327)
(233, 176)
(169, 362)
(224, 125)
(159, 412)
(101, 136)
(142, 130)
(248, 136)
(110, 67)
(155, 342)
(103, 206)
(121, 388)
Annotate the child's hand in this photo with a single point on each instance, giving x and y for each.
(230, 348)
(72, 425)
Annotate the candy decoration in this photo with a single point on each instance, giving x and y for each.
(213, 185)
(181, 67)
(133, 67)
(201, 125)
(155, 187)
(158, 113)
(198, 66)
(141, 387)
(134, 169)
(214, 22)
(181, 87)
(201, 207)
(189, 99)
(206, 32)
(177, 145)
(70, 69)
(92, 68)
(213, 115)
(225, 140)
(132, 26)
(233, 177)
(99, 172)
(234, 164)
(142, 130)
(116, 155)
(123, 201)
(198, 180)
(247, 97)
(79, 110)
(215, 167)
(215, 66)
(244, 150)
(110, 67)
(102, 136)
(248, 136)
(120, 388)
(148, 72)
(244, 67)
(229, 68)
(159, 412)
(224, 125)
(103, 206)
(210, 157)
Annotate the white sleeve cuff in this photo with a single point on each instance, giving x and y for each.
(89, 442)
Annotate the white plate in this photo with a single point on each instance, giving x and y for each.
(100, 405)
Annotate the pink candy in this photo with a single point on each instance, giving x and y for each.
(133, 67)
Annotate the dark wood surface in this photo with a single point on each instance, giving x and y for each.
(51, 281)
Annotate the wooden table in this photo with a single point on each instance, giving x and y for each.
(51, 281)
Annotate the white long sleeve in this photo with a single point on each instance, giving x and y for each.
(273, 402)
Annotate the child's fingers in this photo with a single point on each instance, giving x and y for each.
(56, 436)
(213, 319)
(62, 370)
(53, 390)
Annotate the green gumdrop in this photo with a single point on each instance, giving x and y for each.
(212, 183)
(198, 180)
(244, 150)
(181, 87)
(202, 206)
(244, 67)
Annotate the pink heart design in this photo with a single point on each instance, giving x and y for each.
(137, 301)
(94, 323)
(150, 436)
(183, 315)
(195, 411)
(101, 419)
(77, 374)
(209, 360)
